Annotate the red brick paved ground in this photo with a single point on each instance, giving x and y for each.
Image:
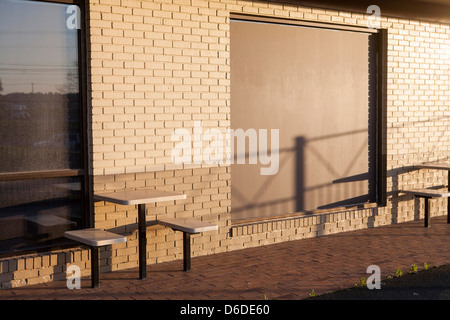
(284, 271)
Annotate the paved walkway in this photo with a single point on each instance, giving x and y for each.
(285, 271)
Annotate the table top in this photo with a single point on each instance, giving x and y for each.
(139, 196)
(438, 166)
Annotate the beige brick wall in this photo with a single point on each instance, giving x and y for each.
(160, 65)
(156, 66)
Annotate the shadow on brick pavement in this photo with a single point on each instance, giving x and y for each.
(283, 271)
(426, 284)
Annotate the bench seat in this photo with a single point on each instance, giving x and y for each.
(187, 226)
(95, 238)
(428, 194)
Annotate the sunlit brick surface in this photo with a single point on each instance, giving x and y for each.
(160, 65)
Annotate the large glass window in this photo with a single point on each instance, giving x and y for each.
(41, 143)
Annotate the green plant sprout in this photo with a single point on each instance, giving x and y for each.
(399, 272)
(363, 282)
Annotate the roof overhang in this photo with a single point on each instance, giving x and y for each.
(437, 11)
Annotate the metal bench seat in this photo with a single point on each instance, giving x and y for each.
(428, 194)
(95, 238)
(188, 227)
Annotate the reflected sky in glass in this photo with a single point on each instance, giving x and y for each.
(38, 52)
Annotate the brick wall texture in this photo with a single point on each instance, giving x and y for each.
(160, 65)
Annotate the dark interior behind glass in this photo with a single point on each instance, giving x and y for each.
(40, 124)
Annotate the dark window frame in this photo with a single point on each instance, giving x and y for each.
(381, 123)
(83, 172)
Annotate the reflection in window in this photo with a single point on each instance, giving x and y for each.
(37, 212)
(39, 97)
(40, 126)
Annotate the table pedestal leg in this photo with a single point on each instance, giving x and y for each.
(95, 274)
(448, 199)
(186, 251)
(142, 233)
(427, 212)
